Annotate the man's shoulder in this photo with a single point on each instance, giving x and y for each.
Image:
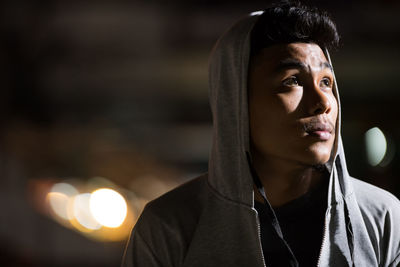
(381, 214)
(372, 197)
(166, 226)
(187, 194)
(183, 203)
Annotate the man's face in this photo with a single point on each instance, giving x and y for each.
(292, 107)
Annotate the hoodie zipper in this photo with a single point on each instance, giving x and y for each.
(323, 239)
(259, 238)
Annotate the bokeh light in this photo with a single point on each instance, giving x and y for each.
(108, 207)
(60, 197)
(59, 203)
(92, 208)
(82, 214)
(376, 146)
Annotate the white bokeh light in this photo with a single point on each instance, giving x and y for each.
(64, 188)
(376, 146)
(59, 198)
(59, 203)
(82, 214)
(108, 207)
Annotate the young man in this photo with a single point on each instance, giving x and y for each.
(277, 192)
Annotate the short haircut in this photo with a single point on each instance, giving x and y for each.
(290, 22)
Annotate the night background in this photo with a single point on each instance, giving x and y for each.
(114, 95)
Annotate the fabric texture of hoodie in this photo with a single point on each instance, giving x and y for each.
(211, 220)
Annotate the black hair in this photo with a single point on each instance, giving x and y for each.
(289, 22)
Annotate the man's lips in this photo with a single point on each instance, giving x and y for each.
(321, 130)
(322, 135)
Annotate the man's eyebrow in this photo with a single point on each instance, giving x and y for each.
(326, 65)
(291, 63)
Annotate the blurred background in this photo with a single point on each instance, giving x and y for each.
(104, 106)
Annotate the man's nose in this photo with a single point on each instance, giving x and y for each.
(318, 100)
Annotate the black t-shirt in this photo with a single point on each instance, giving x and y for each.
(302, 222)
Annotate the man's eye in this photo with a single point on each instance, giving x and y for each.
(326, 82)
(291, 81)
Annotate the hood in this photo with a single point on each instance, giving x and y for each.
(229, 170)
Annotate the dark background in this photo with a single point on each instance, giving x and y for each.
(118, 89)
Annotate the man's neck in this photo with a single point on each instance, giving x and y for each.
(284, 180)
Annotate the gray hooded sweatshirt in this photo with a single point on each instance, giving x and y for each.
(211, 220)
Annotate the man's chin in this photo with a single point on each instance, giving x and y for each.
(318, 155)
(319, 167)
(316, 161)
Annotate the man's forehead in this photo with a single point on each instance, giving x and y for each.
(293, 55)
(292, 63)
